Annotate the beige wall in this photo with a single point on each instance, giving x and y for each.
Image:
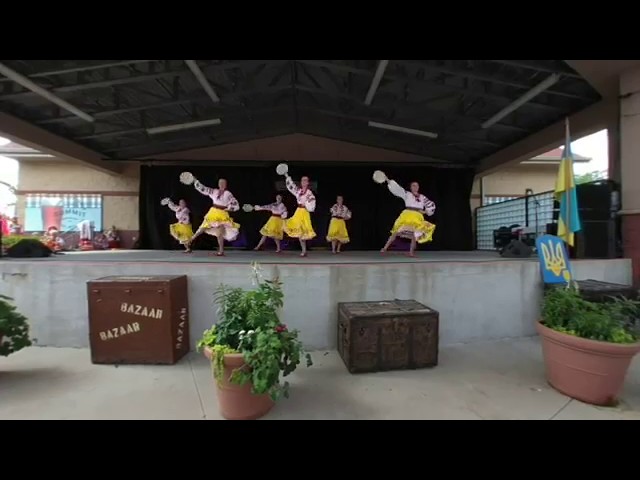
(120, 192)
(513, 181)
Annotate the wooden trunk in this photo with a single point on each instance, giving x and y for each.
(598, 291)
(387, 335)
(138, 320)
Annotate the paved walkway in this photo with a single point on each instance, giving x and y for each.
(492, 381)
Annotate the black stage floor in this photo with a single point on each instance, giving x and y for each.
(270, 257)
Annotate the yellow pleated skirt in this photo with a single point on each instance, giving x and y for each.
(299, 226)
(218, 223)
(181, 232)
(274, 228)
(338, 231)
(411, 224)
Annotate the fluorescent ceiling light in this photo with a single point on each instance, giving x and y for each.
(46, 94)
(410, 131)
(183, 126)
(535, 91)
(202, 80)
(4, 141)
(375, 83)
(27, 155)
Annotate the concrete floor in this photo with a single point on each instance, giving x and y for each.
(492, 381)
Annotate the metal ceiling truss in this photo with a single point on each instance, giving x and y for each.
(113, 106)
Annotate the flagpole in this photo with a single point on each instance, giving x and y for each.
(567, 174)
(568, 194)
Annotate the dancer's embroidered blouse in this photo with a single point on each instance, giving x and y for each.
(305, 198)
(223, 200)
(277, 209)
(182, 213)
(414, 202)
(340, 211)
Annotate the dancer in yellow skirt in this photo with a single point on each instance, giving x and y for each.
(299, 226)
(181, 230)
(338, 234)
(274, 228)
(411, 223)
(217, 221)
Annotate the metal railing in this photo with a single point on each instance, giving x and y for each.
(534, 211)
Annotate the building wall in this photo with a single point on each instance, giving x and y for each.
(513, 182)
(120, 192)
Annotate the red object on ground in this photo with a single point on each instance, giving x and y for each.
(86, 245)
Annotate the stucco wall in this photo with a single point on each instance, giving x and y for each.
(120, 192)
(513, 181)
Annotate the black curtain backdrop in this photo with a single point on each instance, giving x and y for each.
(374, 207)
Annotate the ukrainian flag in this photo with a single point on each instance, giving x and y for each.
(568, 219)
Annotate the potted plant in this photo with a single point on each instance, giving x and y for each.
(587, 346)
(14, 329)
(250, 349)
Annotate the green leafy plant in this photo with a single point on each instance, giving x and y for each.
(249, 324)
(616, 321)
(10, 240)
(14, 328)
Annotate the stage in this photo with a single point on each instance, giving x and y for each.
(269, 257)
(480, 296)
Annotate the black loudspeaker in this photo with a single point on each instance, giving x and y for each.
(596, 239)
(552, 229)
(598, 203)
(517, 249)
(29, 248)
(596, 200)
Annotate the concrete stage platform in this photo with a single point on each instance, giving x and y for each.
(480, 296)
(269, 257)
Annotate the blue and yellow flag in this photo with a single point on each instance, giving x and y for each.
(568, 218)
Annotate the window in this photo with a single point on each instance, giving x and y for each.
(62, 211)
(492, 200)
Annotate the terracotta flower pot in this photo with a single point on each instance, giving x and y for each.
(236, 402)
(587, 370)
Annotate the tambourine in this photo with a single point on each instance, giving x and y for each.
(165, 201)
(282, 169)
(379, 176)
(248, 208)
(187, 178)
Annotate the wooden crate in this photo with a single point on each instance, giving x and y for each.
(598, 291)
(387, 335)
(138, 320)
